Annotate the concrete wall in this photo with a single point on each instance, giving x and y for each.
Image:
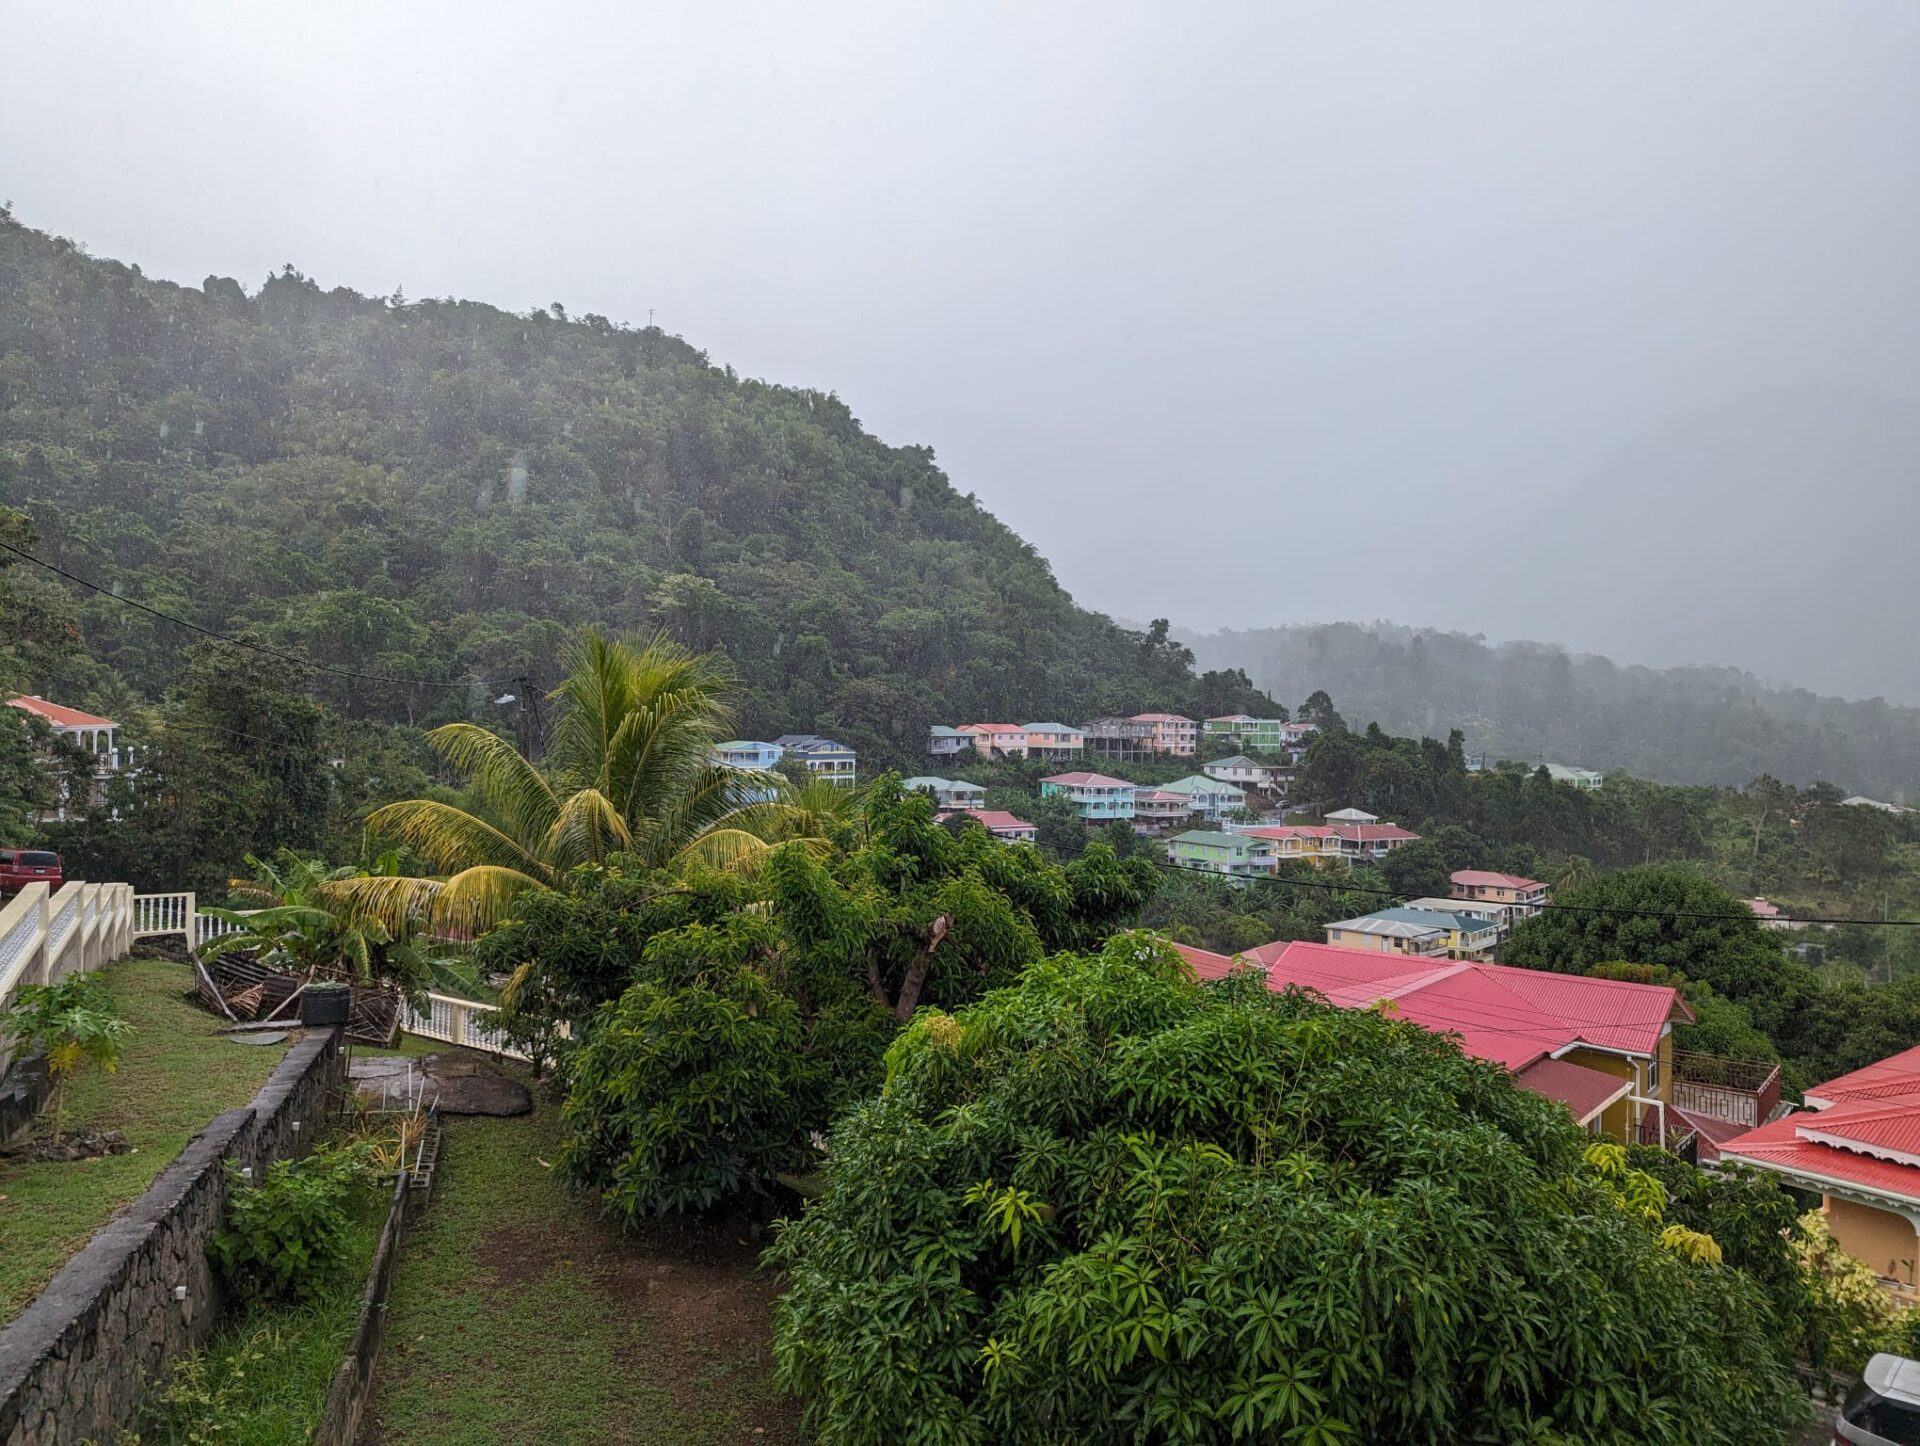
(76, 1363)
(1883, 1240)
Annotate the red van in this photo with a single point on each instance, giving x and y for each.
(20, 867)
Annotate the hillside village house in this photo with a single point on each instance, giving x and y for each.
(945, 742)
(997, 740)
(1220, 853)
(1324, 841)
(747, 753)
(1521, 898)
(1094, 796)
(1493, 914)
(89, 733)
(1212, 799)
(1857, 1146)
(822, 757)
(1269, 735)
(1769, 914)
(1243, 772)
(1054, 742)
(1123, 740)
(1411, 931)
(948, 792)
(1173, 736)
(996, 821)
(1603, 1048)
(1585, 779)
(1156, 810)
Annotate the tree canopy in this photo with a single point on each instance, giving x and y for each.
(1107, 1204)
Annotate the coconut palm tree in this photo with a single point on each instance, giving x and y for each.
(628, 768)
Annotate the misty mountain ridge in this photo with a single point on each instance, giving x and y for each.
(1540, 702)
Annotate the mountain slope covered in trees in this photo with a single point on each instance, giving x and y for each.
(1533, 702)
(442, 490)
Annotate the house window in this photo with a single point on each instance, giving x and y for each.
(1653, 1074)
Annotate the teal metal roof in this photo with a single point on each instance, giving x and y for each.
(1197, 783)
(1208, 836)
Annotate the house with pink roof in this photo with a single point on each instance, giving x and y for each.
(1172, 734)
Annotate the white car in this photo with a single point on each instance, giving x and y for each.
(1884, 1409)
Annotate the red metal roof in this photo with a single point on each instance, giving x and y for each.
(1583, 1091)
(1487, 879)
(1159, 718)
(1371, 832)
(993, 728)
(1511, 1015)
(1206, 964)
(1764, 909)
(1889, 1129)
(1896, 1075)
(1711, 1132)
(59, 714)
(1087, 780)
(1161, 795)
(991, 818)
(1780, 1146)
(1282, 831)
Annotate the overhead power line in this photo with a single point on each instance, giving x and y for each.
(227, 638)
(1339, 888)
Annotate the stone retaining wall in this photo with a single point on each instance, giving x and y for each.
(352, 1385)
(75, 1364)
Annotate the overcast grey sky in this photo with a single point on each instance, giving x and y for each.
(1243, 314)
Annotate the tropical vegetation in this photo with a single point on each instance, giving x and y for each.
(72, 1024)
(1106, 1204)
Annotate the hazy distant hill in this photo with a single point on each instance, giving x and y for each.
(442, 490)
(1534, 701)
(1776, 532)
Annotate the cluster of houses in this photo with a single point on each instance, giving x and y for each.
(823, 758)
(1121, 740)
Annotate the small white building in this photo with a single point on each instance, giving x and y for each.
(1243, 772)
(1351, 817)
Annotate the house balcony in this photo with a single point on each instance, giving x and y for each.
(1744, 1092)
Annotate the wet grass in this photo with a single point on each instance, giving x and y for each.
(520, 1316)
(263, 1379)
(175, 1076)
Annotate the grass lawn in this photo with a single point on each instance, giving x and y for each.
(175, 1076)
(263, 1379)
(520, 1315)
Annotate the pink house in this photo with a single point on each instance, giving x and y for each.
(998, 740)
(1172, 734)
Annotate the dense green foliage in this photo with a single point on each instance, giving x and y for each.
(1109, 1205)
(1531, 701)
(444, 491)
(287, 1236)
(74, 1023)
(723, 1019)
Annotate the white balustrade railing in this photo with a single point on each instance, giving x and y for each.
(178, 914)
(457, 1021)
(46, 935)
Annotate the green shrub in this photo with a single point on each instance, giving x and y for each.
(287, 1235)
(1108, 1204)
(681, 1098)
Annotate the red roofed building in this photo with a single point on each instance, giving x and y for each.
(1602, 1047)
(1094, 796)
(86, 731)
(1521, 898)
(996, 821)
(1327, 841)
(1769, 914)
(997, 740)
(1858, 1148)
(1156, 810)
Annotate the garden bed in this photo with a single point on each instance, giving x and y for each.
(176, 1075)
(519, 1314)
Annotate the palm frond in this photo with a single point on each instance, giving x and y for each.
(725, 848)
(449, 837)
(587, 829)
(513, 789)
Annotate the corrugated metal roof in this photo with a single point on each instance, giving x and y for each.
(1585, 1092)
(1779, 1146)
(1896, 1075)
(1087, 780)
(1487, 879)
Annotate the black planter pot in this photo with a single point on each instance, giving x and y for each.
(324, 1004)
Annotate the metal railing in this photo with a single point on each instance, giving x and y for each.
(1740, 1091)
(46, 935)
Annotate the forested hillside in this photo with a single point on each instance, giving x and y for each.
(443, 490)
(1534, 702)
